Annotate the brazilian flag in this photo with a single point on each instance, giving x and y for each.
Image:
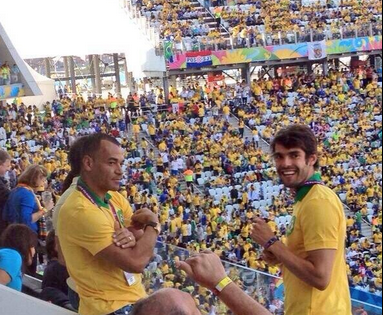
(168, 46)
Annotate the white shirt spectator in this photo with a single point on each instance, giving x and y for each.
(181, 164)
(272, 308)
(174, 165)
(212, 311)
(165, 157)
(3, 134)
(254, 195)
(200, 233)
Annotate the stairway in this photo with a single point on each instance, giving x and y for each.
(233, 120)
(366, 228)
(210, 20)
(181, 180)
(149, 32)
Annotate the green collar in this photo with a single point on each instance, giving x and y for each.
(304, 190)
(99, 202)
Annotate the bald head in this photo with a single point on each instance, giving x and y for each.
(166, 302)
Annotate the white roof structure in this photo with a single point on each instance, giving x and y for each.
(46, 86)
(46, 28)
(9, 54)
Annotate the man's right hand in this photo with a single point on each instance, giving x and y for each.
(122, 237)
(205, 268)
(142, 217)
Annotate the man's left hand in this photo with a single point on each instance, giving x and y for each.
(261, 232)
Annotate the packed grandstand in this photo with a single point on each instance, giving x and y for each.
(198, 155)
(235, 24)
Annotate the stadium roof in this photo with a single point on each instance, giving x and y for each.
(46, 28)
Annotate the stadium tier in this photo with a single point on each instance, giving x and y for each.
(234, 177)
(197, 147)
(196, 26)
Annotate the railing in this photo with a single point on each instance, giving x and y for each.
(274, 39)
(260, 285)
(257, 39)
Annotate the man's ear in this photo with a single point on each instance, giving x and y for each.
(313, 158)
(87, 163)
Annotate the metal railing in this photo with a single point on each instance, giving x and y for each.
(254, 38)
(275, 39)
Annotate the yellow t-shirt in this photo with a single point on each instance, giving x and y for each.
(318, 223)
(84, 230)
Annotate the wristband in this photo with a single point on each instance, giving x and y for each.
(222, 285)
(271, 242)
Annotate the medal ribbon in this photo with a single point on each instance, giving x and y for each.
(117, 216)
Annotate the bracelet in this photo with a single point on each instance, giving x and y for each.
(222, 285)
(271, 242)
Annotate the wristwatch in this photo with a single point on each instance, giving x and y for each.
(155, 225)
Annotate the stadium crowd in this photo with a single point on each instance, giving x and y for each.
(250, 20)
(259, 23)
(206, 174)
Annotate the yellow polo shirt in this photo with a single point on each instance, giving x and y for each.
(84, 230)
(318, 223)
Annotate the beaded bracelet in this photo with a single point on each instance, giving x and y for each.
(271, 242)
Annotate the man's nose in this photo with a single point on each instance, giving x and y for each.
(119, 169)
(286, 161)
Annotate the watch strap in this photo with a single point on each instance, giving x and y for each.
(155, 225)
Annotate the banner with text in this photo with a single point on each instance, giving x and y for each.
(198, 59)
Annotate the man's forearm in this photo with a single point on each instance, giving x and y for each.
(240, 303)
(301, 268)
(145, 247)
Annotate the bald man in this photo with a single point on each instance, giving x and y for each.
(207, 270)
(167, 301)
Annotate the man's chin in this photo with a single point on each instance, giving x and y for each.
(290, 184)
(114, 187)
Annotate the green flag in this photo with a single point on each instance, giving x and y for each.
(168, 46)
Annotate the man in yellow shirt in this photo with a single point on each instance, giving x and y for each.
(226, 112)
(108, 277)
(314, 266)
